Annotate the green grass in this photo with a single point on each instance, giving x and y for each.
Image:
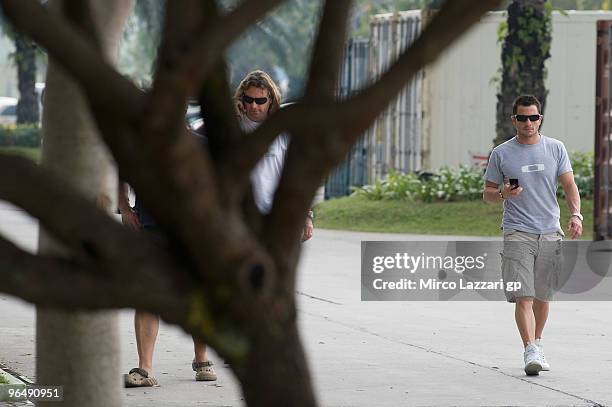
(469, 218)
(28, 152)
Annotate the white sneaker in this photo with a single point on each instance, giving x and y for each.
(533, 362)
(545, 364)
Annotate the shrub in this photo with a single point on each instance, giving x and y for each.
(446, 184)
(25, 135)
(464, 183)
(583, 165)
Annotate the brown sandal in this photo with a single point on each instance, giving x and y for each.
(138, 377)
(204, 371)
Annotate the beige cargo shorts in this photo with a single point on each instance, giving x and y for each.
(533, 260)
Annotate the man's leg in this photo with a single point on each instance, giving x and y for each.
(547, 269)
(200, 351)
(526, 323)
(147, 327)
(201, 365)
(540, 310)
(525, 319)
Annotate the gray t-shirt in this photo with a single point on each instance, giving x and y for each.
(537, 167)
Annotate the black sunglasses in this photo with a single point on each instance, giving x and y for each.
(524, 117)
(248, 100)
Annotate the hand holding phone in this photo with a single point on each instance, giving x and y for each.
(512, 188)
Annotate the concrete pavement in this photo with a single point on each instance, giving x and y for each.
(372, 353)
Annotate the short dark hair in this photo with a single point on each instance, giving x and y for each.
(526, 100)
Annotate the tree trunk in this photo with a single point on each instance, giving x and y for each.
(25, 56)
(276, 372)
(80, 350)
(526, 48)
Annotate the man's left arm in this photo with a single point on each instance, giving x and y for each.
(572, 197)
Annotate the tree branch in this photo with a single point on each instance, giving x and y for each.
(337, 125)
(241, 159)
(78, 56)
(190, 57)
(328, 51)
(172, 86)
(85, 230)
(300, 179)
(79, 12)
(349, 119)
(222, 31)
(70, 284)
(219, 113)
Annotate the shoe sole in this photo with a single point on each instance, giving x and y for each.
(533, 369)
(205, 378)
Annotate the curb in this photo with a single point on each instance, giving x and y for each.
(15, 381)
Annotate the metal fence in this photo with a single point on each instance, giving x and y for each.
(602, 225)
(395, 138)
(353, 77)
(393, 143)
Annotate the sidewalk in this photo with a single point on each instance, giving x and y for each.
(376, 353)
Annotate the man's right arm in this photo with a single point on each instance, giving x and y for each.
(491, 193)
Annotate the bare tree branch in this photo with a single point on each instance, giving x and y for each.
(216, 100)
(349, 119)
(204, 51)
(79, 12)
(243, 157)
(300, 178)
(77, 55)
(70, 284)
(214, 38)
(172, 86)
(328, 51)
(88, 232)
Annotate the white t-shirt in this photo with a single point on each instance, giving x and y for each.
(266, 174)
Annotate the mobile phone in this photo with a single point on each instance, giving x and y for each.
(514, 183)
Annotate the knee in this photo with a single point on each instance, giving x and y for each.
(524, 303)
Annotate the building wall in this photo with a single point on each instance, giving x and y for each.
(8, 74)
(463, 100)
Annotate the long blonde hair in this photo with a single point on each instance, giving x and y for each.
(261, 80)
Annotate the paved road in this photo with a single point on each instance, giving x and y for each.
(373, 353)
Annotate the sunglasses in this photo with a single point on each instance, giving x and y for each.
(248, 100)
(523, 117)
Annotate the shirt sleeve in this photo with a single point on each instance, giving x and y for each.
(564, 162)
(493, 172)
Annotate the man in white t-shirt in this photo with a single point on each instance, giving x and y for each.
(255, 99)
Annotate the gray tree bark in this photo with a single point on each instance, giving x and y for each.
(80, 350)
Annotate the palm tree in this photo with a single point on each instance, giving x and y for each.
(25, 58)
(526, 47)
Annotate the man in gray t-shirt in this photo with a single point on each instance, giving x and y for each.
(527, 168)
